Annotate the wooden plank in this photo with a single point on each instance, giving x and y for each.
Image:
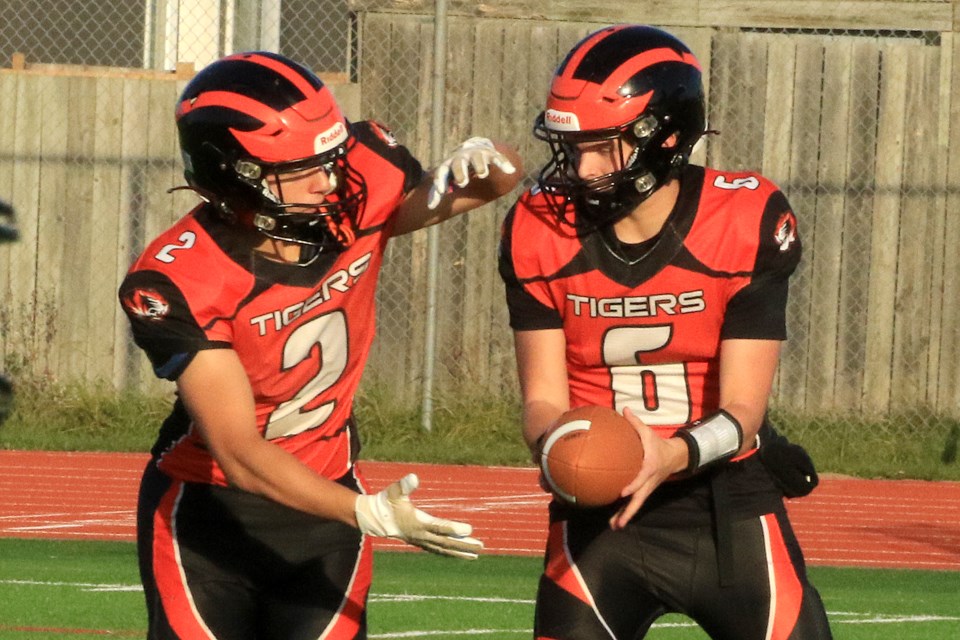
(396, 61)
(374, 29)
(938, 219)
(129, 362)
(948, 391)
(778, 101)
(918, 216)
(477, 264)
(801, 191)
(776, 125)
(860, 186)
(387, 355)
(52, 220)
(415, 42)
(723, 81)
(161, 158)
(108, 197)
(20, 64)
(700, 41)
(460, 121)
(533, 53)
(824, 268)
(8, 106)
(826, 14)
(23, 341)
(885, 230)
(745, 150)
(740, 68)
(79, 344)
(913, 15)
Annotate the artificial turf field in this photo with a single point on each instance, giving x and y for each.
(85, 590)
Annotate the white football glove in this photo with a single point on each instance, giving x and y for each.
(390, 514)
(473, 157)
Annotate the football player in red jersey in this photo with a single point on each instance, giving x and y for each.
(253, 523)
(640, 282)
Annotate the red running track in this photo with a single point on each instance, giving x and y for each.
(900, 524)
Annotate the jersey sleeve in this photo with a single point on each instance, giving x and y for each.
(162, 323)
(526, 312)
(379, 139)
(758, 310)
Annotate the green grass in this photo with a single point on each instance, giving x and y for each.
(470, 428)
(81, 417)
(84, 590)
(92, 417)
(910, 444)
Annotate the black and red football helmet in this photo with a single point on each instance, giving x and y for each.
(625, 83)
(250, 115)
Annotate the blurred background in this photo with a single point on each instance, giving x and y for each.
(851, 107)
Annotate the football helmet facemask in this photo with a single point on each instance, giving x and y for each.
(635, 87)
(246, 120)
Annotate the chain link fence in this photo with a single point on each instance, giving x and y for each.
(852, 118)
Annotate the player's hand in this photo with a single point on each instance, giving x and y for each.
(390, 514)
(660, 455)
(471, 159)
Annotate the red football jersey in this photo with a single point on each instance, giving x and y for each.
(302, 333)
(643, 323)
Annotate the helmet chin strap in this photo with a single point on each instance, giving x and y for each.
(308, 255)
(277, 249)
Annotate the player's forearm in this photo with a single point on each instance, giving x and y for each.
(267, 470)
(538, 416)
(750, 419)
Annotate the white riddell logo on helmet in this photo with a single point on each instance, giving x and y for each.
(330, 138)
(561, 120)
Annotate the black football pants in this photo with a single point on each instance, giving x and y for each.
(599, 583)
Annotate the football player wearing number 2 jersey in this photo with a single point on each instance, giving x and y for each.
(640, 282)
(253, 522)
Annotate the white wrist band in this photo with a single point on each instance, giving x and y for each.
(711, 439)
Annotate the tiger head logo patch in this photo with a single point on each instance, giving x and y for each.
(785, 233)
(146, 303)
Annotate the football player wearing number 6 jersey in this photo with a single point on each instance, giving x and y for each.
(637, 281)
(253, 522)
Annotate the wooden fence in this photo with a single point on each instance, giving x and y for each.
(851, 107)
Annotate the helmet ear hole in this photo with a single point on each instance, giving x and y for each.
(644, 128)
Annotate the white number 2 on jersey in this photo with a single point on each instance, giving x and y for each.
(187, 240)
(329, 333)
(749, 182)
(656, 393)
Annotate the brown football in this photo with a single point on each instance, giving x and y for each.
(590, 455)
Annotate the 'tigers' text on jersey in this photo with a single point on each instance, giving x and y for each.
(638, 306)
(339, 281)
